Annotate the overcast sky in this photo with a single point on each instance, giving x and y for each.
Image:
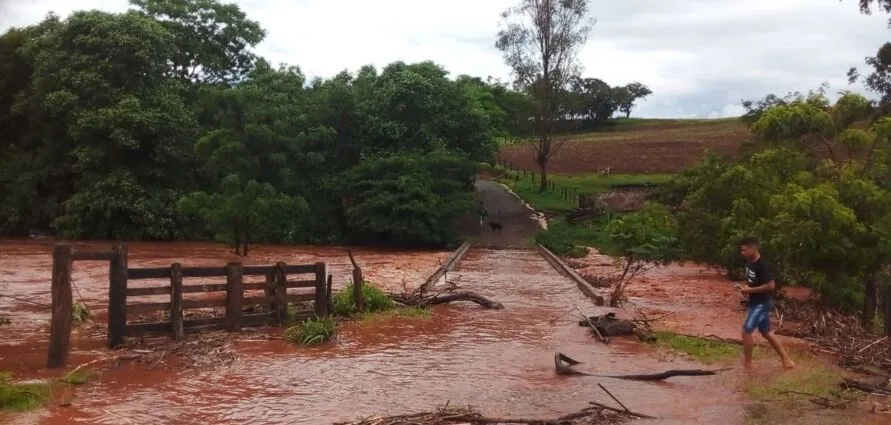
(700, 57)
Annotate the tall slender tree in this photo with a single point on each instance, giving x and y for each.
(540, 40)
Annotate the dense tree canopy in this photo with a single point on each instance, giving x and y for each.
(815, 188)
(162, 123)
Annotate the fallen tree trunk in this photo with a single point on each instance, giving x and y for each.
(868, 388)
(563, 365)
(597, 413)
(449, 298)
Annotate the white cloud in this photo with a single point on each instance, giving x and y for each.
(700, 57)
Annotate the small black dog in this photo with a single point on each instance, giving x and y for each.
(496, 226)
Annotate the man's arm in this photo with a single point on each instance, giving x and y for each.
(767, 287)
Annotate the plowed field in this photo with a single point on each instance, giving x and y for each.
(641, 147)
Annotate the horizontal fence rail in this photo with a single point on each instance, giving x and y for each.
(275, 297)
(312, 279)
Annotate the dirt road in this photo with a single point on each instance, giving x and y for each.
(505, 208)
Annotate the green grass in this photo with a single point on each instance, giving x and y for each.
(703, 350)
(555, 202)
(811, 375)
(564, 238)
(22, 397)
(417, 312)
(344, 302)
(780, 398)
(312, 331)
(569, 240)
(78, 377)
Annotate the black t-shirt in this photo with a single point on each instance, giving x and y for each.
(757, 274)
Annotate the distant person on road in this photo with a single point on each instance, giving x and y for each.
(760, 289)
(481, 210)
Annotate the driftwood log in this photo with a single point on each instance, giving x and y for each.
(866, 387)
(563, 365)
(426, 301)
(596, 413)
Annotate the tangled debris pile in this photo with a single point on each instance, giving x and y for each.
(838, 334)
(594, 415)
(203, 350)
(608, 325)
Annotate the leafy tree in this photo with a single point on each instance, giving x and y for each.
(244, 211)
(211, 40)
(593, 99)
(866, 6)
(755, 108)
(518, 108)
(626, 96)
(27, 202)
(641, 240)
(596, 102)
(816, 191)
(256, 159)
(879, 79)
(414, 107)
(540, 43)
(408, 199)
(111, 149)
(161, 123)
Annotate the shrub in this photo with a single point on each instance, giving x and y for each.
(77, 377)
(80, 313)
(344, 302)
(312, 331)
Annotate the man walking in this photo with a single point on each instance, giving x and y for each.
(481, 210)
(760, 289)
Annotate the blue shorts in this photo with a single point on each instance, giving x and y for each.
(758, 317)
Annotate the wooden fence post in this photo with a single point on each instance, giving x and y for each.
(281, 294)
(117, 295)
(269, 290)
(328, 292)
(60, 328)
(234, 296)
(176, 301)
(358, 280)
(321, 304)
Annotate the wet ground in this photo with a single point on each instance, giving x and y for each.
(500, 361)
(687, 298)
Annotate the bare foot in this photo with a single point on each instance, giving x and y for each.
(747, 364)
(788, 364)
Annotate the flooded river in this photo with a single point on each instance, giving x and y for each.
(499, 361)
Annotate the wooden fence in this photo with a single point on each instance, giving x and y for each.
(275, 297)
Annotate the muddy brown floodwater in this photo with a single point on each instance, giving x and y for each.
(500, 361)
(26, 270)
